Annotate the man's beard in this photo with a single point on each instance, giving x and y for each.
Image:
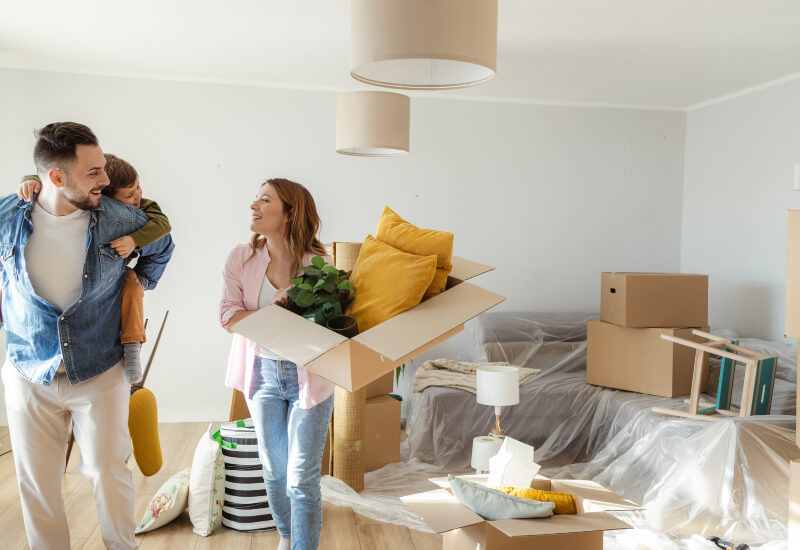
(70, 193)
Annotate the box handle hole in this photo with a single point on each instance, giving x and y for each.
(613, 290)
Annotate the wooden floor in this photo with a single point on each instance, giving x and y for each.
(342, 529)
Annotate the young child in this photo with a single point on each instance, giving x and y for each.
(124, 187)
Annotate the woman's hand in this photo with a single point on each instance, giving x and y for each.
(281, 297)
(238, 316)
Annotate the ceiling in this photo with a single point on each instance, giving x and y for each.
(672, 54)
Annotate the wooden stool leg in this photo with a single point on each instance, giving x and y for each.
(748, 388)
(700, 361)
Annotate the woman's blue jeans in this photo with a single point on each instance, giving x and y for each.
(290, 445)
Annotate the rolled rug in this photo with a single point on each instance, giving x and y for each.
(143, 428)
(348, 436)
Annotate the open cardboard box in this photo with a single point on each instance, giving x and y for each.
(352, 363)
(464, 529)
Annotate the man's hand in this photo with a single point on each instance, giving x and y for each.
(124, 246)
(27, 189)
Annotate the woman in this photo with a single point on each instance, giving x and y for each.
(291, 407)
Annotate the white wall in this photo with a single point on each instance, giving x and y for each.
(551, 196)
(737, 189)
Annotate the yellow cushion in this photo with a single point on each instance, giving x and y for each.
(143, 427)
(395, 231)
(388, 281)
(565, 503)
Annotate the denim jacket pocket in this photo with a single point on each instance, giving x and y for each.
(8, 261)
(111, 263)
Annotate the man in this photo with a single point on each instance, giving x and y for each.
(61, 284)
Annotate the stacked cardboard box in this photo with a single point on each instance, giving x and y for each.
(625, 350)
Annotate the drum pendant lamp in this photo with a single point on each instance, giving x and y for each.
(372, 124)
(423, 44)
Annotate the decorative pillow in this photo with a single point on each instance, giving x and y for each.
(395, 231)
(565, 502)
(206, 485)
(388, 281)
(167, 504)
(496, 505)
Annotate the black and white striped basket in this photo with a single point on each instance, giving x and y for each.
(245, 507)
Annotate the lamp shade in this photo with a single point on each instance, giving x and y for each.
(372, 124)
(423, 44)
(498, 385)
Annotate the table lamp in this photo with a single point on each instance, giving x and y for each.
(498, 386)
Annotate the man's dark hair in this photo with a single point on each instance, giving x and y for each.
(56, 143)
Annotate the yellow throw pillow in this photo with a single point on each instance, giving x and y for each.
(395, 231)
(388, 281)
(565, 502)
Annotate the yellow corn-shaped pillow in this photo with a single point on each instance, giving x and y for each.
(143, 427)
(565, 503)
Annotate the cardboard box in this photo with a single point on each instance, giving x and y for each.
(637, 359)
(794, 504)
(462, 528)
(654, 299)
(793, 275)
(381, 432)
(352, 363)
(381, 386)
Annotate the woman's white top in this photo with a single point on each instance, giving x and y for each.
(265, 299)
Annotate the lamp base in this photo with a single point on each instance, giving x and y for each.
(497, 432)
(483, 448)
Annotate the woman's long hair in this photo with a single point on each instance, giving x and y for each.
(301, 235)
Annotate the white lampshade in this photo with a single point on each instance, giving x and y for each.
(423, 44)
(372, 124)
(498, 385)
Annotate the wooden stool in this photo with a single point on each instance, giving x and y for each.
(759, 379)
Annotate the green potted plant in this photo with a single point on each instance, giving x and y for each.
(321, 294)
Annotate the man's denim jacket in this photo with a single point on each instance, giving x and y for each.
(86, 335)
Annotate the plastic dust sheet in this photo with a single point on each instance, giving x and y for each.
(695, 479)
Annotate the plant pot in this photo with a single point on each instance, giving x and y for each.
(345, 325)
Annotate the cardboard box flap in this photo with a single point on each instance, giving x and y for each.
(299, 339)
(412, 329)
(441, 510)
(566, 523)
(467, 269)
(591, 497)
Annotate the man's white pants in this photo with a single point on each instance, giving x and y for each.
(38, 422)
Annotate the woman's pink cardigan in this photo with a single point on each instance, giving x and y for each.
(241, 285)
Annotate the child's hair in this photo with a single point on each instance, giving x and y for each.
(120, 175)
